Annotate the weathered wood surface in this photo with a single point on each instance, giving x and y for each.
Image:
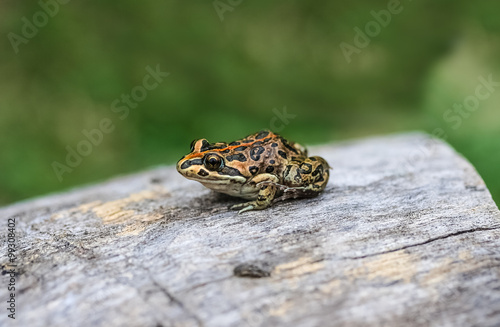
(406, 233)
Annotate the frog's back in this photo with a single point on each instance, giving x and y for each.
(269, 153)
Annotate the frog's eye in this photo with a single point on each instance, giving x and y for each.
(192, 145)
(212, 162)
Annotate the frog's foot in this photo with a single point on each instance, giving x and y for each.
(298, 189)
(247, 206)
(293, 193)
(309, 191)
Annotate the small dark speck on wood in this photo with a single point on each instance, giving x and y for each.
(251, 270)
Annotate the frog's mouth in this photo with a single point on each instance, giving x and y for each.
(217, 181)
(228, 186)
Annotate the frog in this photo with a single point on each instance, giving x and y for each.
(263, 168)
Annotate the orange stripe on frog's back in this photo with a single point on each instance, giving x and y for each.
(231, 147)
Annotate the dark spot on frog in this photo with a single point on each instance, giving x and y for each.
(225, 151)
(188, 163)
(234, 143)
(282, 154)
(269, 169)
(255, 270)
(253, 170)
(291, 148)
(256, 152)
(203, 172)
(240, 157)
(230, 172)
(266, 140)
(262, 134)
(257, 143)
(204, 145)
(305, 168)
(312, 159)
(274, 145)
(319, 170)
(272, 162)
(240, 148)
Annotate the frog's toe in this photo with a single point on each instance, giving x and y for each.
(294, 189)
(247, 206)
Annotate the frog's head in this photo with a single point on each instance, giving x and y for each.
(207, 163)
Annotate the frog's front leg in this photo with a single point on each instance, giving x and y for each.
(267, 190)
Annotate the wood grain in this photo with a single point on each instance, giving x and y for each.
(406, 233)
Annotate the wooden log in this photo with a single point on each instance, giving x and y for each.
(406, 233)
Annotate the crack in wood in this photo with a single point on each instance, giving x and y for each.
(174, 299)
(479, 229)
(207, 283)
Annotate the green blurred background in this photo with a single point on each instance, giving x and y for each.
(227, 75)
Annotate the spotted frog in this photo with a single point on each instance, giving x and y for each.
(262, 167)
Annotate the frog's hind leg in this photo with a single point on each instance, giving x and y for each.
(319, 175)
(307, 179)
